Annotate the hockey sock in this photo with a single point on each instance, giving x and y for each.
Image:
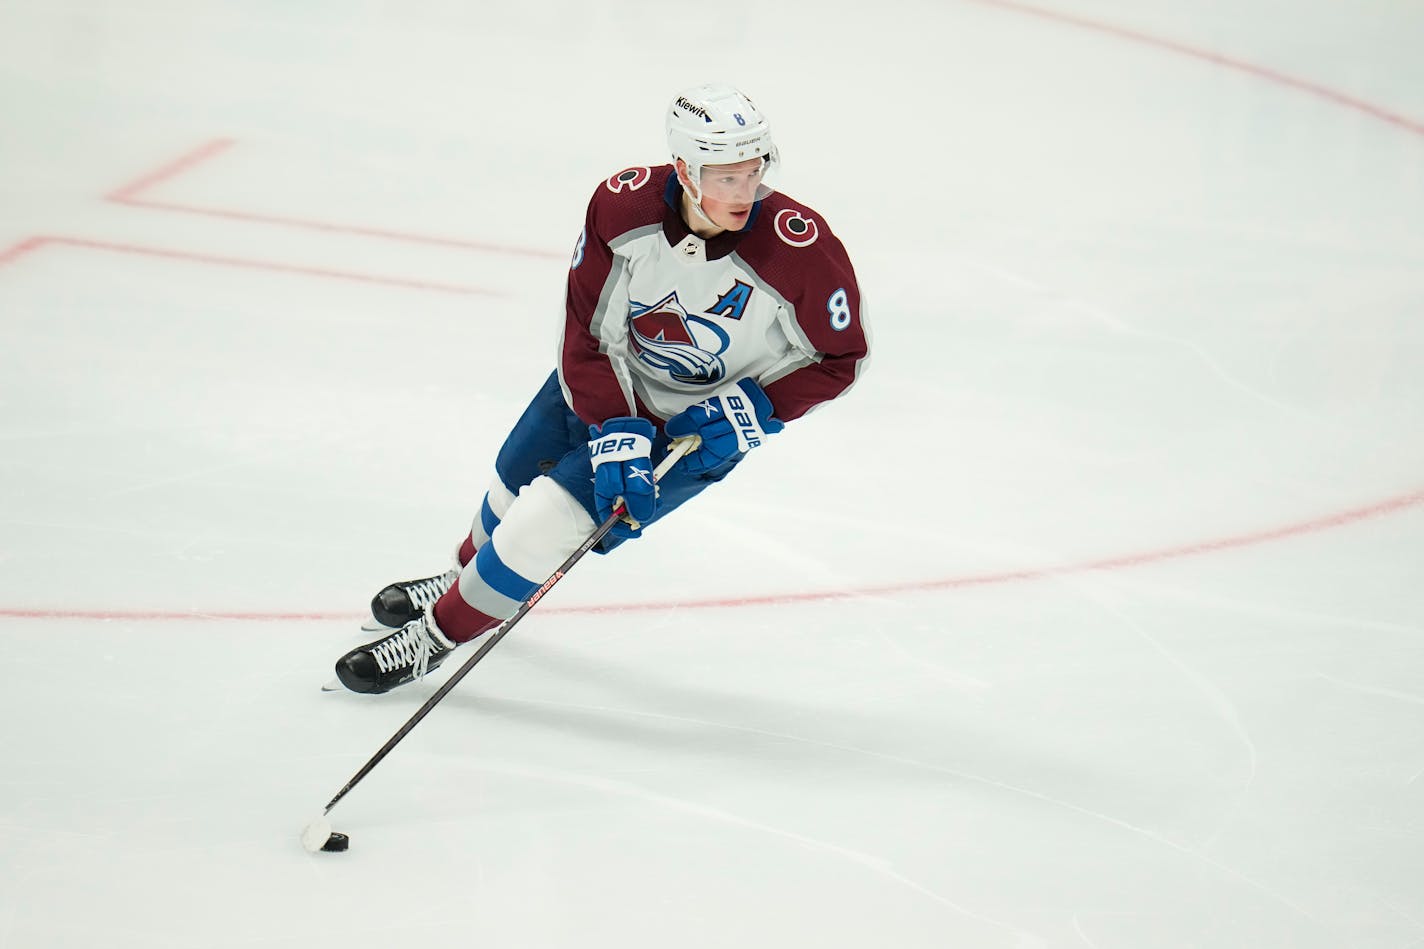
(458, 620)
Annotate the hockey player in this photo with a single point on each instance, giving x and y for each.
(699, 301)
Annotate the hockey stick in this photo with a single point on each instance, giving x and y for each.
(318, 834)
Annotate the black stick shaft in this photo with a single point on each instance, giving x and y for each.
(679, 449)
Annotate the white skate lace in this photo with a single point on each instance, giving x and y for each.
(411, 646)
(424, 593)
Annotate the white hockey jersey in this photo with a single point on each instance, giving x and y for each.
(658, 319)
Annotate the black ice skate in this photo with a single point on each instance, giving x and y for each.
(402, 602)
(404, 656)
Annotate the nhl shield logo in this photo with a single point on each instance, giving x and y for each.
(688, 348)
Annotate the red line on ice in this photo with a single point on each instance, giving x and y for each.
(248, 264)
(1122, 562)
(28, 245)
(173, 169)
(129, 195)
(1227, 62)
(126, 195)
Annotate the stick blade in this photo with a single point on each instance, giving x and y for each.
(316, 834)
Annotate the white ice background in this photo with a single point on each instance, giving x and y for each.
(1093, 617)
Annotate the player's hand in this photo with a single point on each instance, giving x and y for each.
(730, 423)
(619, 450)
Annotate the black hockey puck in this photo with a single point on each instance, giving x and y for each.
(336, 843)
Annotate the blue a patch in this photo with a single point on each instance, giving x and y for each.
(733, 303)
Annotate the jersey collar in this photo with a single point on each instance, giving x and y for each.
(675, 229)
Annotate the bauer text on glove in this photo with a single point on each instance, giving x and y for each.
(619, 450)
(732, 422)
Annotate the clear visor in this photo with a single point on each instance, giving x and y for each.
(741, 183)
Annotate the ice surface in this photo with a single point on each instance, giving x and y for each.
(1092, 618)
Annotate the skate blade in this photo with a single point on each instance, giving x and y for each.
(333, 686)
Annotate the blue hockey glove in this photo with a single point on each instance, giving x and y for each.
(734, 421)
(619, 451)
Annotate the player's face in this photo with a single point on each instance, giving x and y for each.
(729, 191)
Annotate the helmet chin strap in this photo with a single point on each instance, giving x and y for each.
(697, 206)
(695, 194)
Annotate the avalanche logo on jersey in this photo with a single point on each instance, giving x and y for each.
(629, 179)
(795, 228)
(688, 348)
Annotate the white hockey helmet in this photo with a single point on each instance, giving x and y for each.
(715, 124)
